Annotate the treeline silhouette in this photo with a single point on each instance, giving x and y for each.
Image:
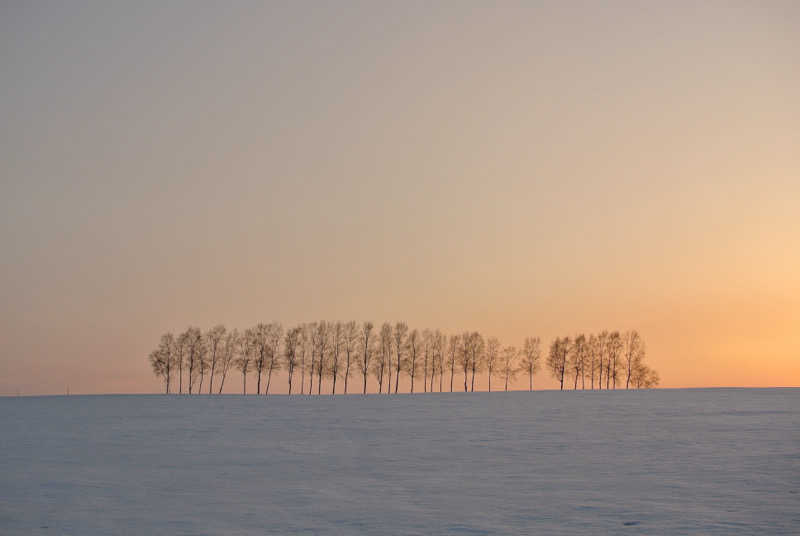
(345, 351)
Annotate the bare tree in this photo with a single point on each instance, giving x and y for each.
(400, 332)
(465, 355)
(452, 352)
(259, 339)
(592, 353)
(577, 357)
(214, 338)
(634, 354)
(273, 351)
(427, 346)
(195, 353)
(508, 364)
(557, 360)
(350, 347)
(290, 350)
(305, 341)
(412, 365)
(162, 359)
(365, 361)
(202, 362)
(477, 348)
(602, 351)
(492, 357)
(230, 352)
(644, 377)
(336, 341)
(613, 350)
(531, 357)
(438, 358)
(312, 331)
(319, 345)
(181, 347)
(245, 360)
(384, 355)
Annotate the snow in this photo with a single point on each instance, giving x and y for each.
(717, 461)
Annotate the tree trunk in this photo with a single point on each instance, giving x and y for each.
(530, 379)
(244, 383)
(222, 381)
(269, 380)
(397, 374)
(365, 381)
(333, 392)
(425, 374)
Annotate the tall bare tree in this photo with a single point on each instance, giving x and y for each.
(260, 344)
(602, 352)
(613, 350)
(163, 358)
(465, 356)
(384, 355)
(438, 358)
(508, 364)
(273, 351)
(336, 342)
(412, 365)
(290, 352)
(577, 358)
(365, 360)
(214, 339)
(400, 332)
(181, 348)
(303, 348)
(350, 348)
(319, 343)
(477, 349)
(492, 357)
(245, 359)
(592, 353)
(194, 353)
(312, 367)
(531, 357)
(230, 352)
(452, 352)
(557, 360)
(633, 355)
(427, 346)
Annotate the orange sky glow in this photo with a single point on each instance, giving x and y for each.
(540, 170)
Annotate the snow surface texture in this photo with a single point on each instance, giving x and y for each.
(723, 461)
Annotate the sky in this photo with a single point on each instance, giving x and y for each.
(534, 168)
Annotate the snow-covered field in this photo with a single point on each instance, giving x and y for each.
(650, 462)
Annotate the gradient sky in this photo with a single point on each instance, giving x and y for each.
(527, 169)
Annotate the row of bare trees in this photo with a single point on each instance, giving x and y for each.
(340, 351)
(604, 358)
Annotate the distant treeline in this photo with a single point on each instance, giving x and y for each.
(345, 351)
